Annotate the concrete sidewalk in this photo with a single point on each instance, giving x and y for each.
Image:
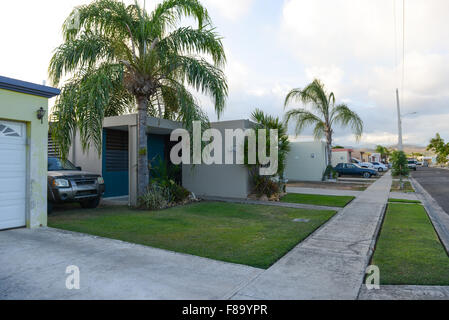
(322, 191)
(331, 263)
(33, 266)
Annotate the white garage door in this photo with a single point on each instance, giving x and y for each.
(12, 174)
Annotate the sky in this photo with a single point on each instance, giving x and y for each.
(354, 46)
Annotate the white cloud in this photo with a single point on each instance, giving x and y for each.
(230, 9)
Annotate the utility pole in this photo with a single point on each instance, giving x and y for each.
(400, 146)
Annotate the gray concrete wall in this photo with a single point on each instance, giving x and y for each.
(89, 161)
(340, 157)
(219, 180)
(306, 161)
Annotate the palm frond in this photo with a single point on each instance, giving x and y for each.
(344, 116)
(303, 118)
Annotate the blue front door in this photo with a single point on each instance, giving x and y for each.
(115, 163)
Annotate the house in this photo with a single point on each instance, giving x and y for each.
(118, 161)
(306, 161)
(23, 153)
(220, 180)
(341, 156)
(375, 157)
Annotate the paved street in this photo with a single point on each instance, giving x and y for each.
(436, 183)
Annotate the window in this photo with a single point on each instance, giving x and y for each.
(116, 150)
(7, 131)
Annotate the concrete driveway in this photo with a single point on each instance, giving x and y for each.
(33, 266)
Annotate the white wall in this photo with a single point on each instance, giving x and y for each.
(306, 161)
(219, 180)
(340, 157)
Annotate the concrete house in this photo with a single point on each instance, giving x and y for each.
(341, 156)
(23, 153)
(306, 161)
(118, 162)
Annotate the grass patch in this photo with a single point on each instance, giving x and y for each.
(395, 186)
(408, 251)
(319, 200)
(404, 201)
(253, 235)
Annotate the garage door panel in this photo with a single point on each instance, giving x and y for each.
(13, 174)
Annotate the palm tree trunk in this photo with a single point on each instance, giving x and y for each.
(143, 175)
(329, 151)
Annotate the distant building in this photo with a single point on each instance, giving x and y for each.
(341, 156)
(306, 161)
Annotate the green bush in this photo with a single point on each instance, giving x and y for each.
(330, 172)
(265, 185)
(179, 193)
(400, 164)
(156, 197)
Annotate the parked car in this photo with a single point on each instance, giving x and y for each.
(67, 183)
(362, 164)
(354, 170)
(412, 164)
(379, 166)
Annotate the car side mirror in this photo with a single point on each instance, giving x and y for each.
(79, 168)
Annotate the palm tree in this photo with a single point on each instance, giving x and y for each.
(383, 151)
(119, 56)
(324, 115)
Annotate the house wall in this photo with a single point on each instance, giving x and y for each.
(230, 180)
(15, 106)
(89, 160)
(340, 157)
(306, 161)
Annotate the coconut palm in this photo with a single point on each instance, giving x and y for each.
(324, 114)
(117, 56)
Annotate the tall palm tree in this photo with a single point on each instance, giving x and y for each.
(119, 56)
(324, 114)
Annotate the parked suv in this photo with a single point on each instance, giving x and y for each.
(67, 183)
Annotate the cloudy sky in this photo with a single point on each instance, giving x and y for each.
(273, 46)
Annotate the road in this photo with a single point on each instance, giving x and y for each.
(436, 183)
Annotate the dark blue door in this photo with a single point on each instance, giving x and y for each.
(115, 163)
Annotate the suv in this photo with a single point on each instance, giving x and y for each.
(67, 183)
(412, 164)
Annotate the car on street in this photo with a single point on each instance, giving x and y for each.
(353, 169)
(68, 183)
(412, 164)
(379, 166)
(362, 164)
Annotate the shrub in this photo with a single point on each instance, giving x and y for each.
(330, 172)
(265, 185)
(156, 197)
(400, 164)
(179, 193)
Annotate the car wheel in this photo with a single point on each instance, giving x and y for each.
(366, 175)
(49, 207)
(381, 170)
(90, 204)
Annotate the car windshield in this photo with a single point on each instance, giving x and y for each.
(56, 164)
(411, 162)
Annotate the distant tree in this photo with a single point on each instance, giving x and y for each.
(383, 151)
(324, 116)
(338, 147)
(440, 148)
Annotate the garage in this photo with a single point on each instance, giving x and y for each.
(12, 174)
(23, 153)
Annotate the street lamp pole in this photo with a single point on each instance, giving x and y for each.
(400, 146)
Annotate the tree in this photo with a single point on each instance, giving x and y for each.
(119, 56)
(400, 165)
(440, 148)
(383, 151)
(324, 115)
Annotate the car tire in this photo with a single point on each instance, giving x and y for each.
(380, 170)
(90, 204)
(49, 207)
(366, 175)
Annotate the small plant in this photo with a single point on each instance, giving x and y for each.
(330, 172)
(179, 193)
(264, 185)
(156, 197)
(400, 166)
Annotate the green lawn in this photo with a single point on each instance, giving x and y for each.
(408, 251)
(395, 187)
(254, 235)
(319, 200)
(403, 200)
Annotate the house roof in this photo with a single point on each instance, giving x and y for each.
(28, 87)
